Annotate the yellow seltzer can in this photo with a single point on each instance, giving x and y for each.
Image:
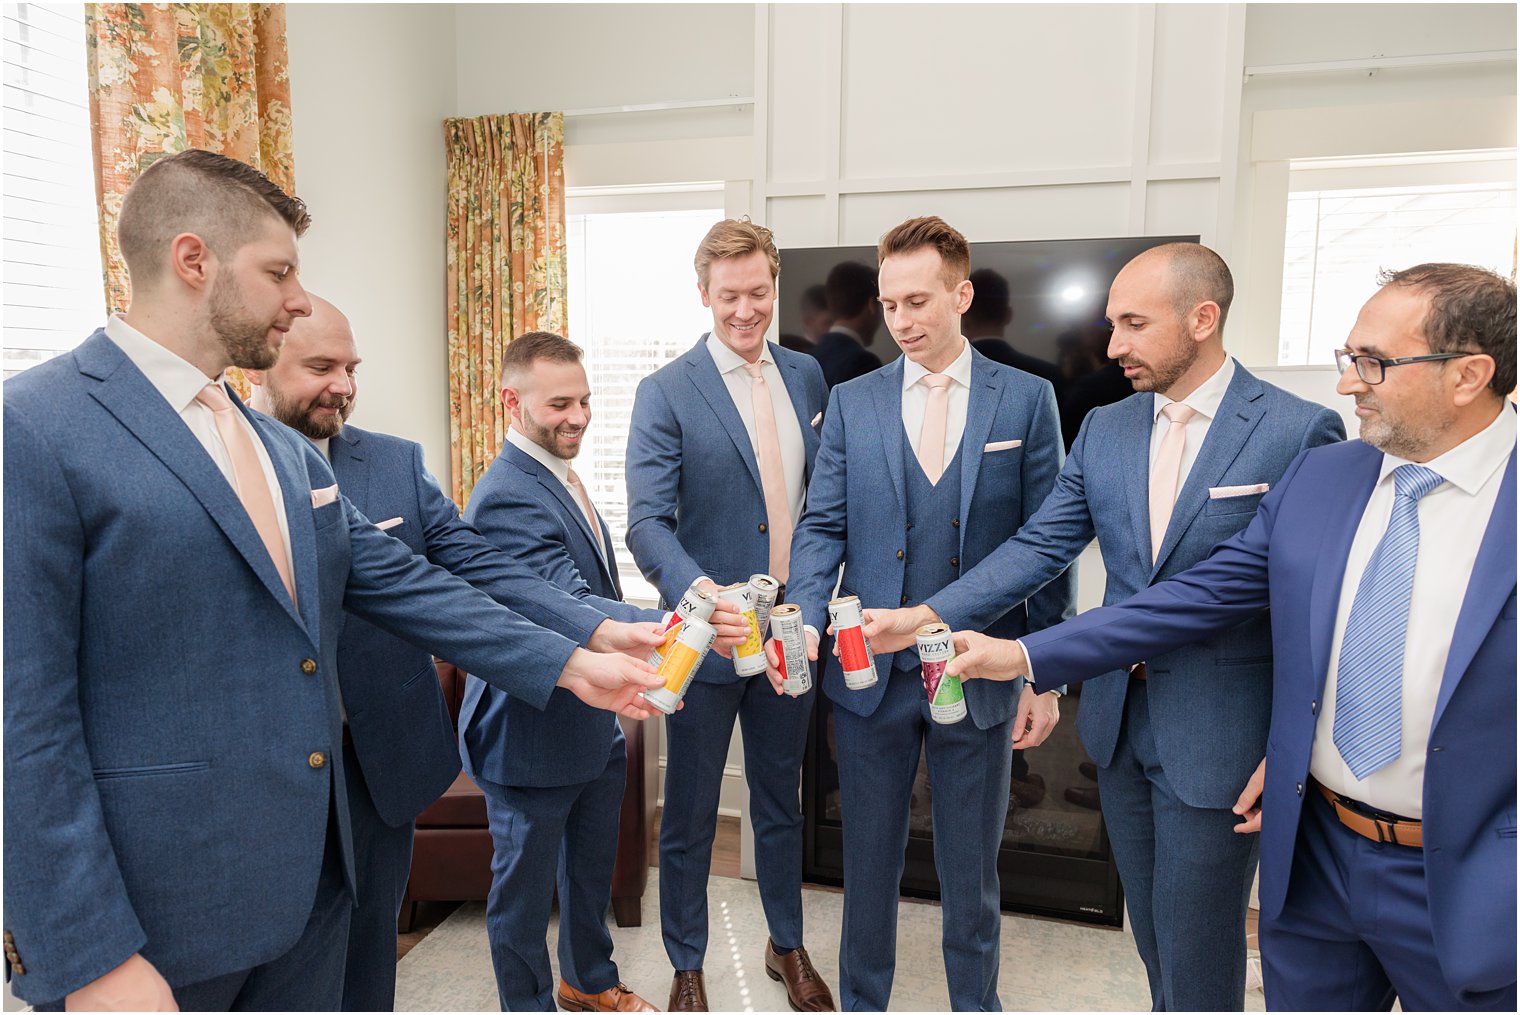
(680, 664)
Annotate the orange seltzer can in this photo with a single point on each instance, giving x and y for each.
(695, 602)
(680, 664)
(789, 637)
(749, 656)
(855, 657)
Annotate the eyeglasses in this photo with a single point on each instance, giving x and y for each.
(1371, 368)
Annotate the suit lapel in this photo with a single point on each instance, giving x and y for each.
(796, 390)
(295, 491)
(981, 409)
(1135, 443)
(709, 384)
(890, 426)
(1240, 411)
(550, 482)
(1490, 587)
(1335, 546)
(347, 456)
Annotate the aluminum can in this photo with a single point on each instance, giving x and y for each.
(855, 656)
(695, 602)
(790, 639)
(680, 664)
(947, 699)
(749, 655)
(763, 589)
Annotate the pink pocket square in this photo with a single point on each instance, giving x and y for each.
(389, 523)
(324, 496)
(1002, 446)
(1225, 492)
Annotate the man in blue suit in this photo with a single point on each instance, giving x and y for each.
(553, 779)
(1171, 754)
(1388, 564)
(399, 747)
(926, 466)
(177, 570)
(719, 453)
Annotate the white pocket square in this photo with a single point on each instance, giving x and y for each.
(324, 496)
(816, 420)
(1002, 446)
(389, 523)
(1223, 492)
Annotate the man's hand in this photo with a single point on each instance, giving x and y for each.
(1248, 805)
(635, 641)
(773, 660)
(132, 986)
(895, 630)
(611, 681)
(1038, 715)
(728, 622)
(978, 657)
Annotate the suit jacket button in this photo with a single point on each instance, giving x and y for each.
(762, 526)
(316, 759)
(956, 522)
(955, 562)
(1300, 789)
(905, 600)
(308, 666)
(910, 526)
(899, 555)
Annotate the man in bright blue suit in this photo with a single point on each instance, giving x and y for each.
(926, 466)
(1171, 754)
(1388, 564)
(177, 570)
(553, 779)
(719, 453)
(399, 747)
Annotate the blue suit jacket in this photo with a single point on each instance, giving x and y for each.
(857, 508)
(164, 698)
(1209, 737)
(396, 713)
(1292, 557)
(521, 507)
(695, 504)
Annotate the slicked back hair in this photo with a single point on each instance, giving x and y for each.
(735, 238)
(930, 231)
(530, 347)
(223, 201)
(1471, 309)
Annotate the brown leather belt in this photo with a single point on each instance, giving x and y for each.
(1137, 671)
(1400, 832)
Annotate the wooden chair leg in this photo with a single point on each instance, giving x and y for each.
(628, 910)
(408, 917)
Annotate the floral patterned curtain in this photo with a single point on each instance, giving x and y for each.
(166, 77)
(506, 267)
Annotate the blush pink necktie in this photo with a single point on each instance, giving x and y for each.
(1167, 471)
(778, 511)
(248, 477)
(587, 509)
(931, 438)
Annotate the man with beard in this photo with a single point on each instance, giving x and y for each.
(1387, 801)
(399, 748)
(177, 568)
(1158, 479)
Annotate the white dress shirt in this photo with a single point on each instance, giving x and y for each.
(788, 430)
(1204, 401)
(561, 470)
(915, 398)
(179, 381)
(1453, 519)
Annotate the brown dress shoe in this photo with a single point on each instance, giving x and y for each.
(688, 992)
(1083, 796)
(805, 989)
(618, 998)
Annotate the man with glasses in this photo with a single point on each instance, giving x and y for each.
(1387, 800)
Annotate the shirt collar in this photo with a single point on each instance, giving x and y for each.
(1206, 397)
(727, 360)
(958, 371)
(553, 463)
(324, 445)
(176, 378)
(1473, 462)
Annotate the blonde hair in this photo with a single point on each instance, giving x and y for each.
(735, 238)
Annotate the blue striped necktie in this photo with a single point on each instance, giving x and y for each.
(1369, 683)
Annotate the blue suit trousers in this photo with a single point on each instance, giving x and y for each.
(1355, 928)
(547, 837)
(969, 769)
(382, 865)
(774, 728)
(1186, 874)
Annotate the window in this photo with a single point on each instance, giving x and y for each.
(1346, 222)
(633, 307)
(54, 296)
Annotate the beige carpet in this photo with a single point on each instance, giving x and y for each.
(1047, 965)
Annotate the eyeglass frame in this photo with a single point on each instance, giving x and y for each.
(1345, 358)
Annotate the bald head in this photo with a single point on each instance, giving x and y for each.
(1188, 274)
(311, 388)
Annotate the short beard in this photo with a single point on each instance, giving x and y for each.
(1399, 439)
(246, 342)
(544, 437)
(299, 418)
(1164, 375)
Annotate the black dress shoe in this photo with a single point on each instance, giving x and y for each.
(1089, 770)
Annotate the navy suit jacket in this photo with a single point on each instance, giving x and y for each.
(165, 701)
(1292, 558)
(842, 358)
(695, 505)
(523, 508)
(857, 509)
(399, 721)
(1209, 735)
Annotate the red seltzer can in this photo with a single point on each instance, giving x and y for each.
(749, 655)
(790, 639)
(763, 589)
(695, 602)
(855, 656)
